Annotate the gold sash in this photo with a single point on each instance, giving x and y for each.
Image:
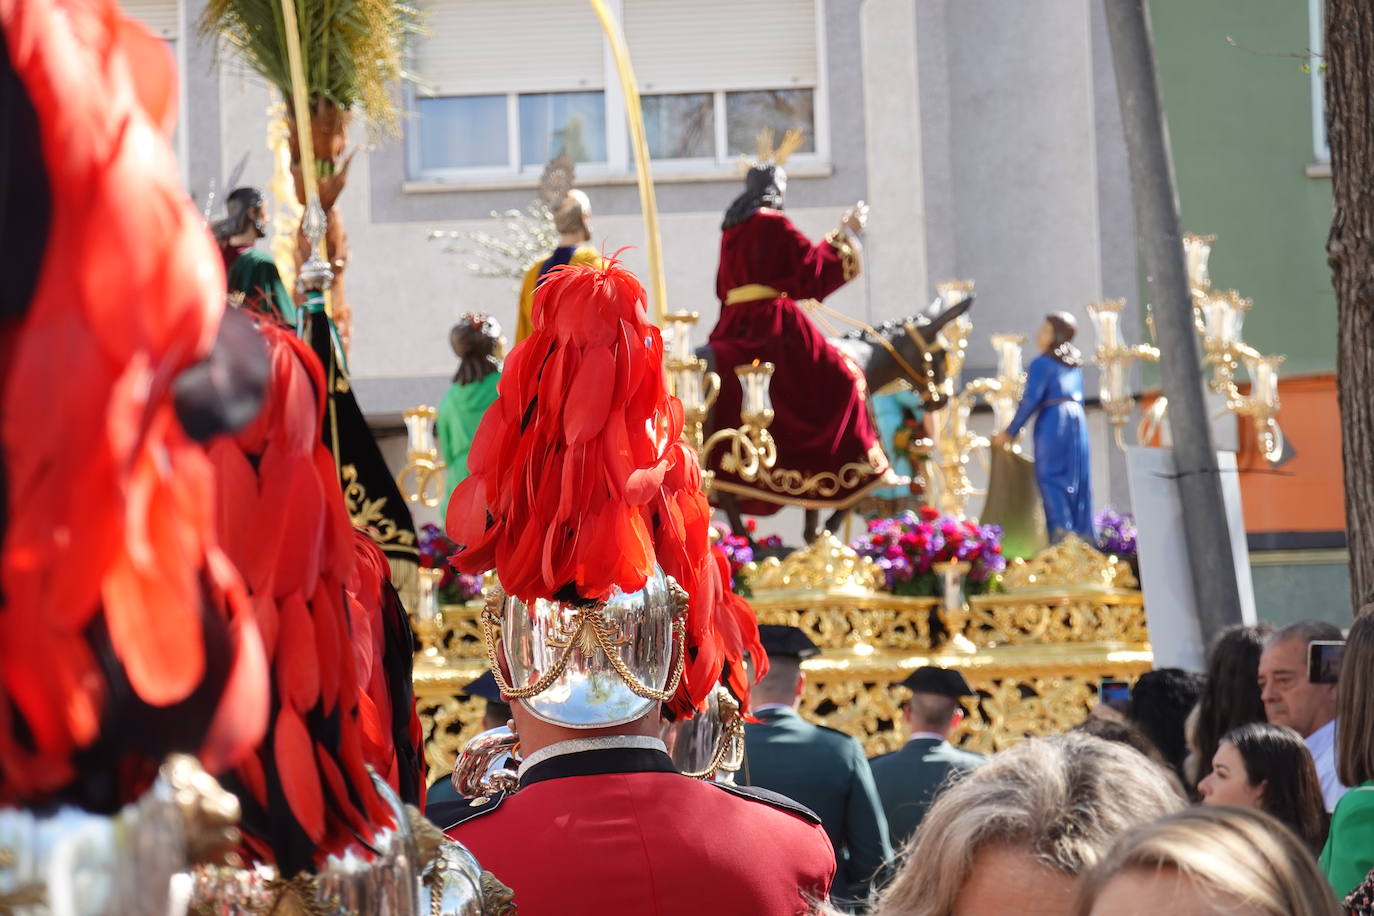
(752, 292)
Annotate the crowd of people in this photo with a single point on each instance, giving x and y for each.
(1250, 789)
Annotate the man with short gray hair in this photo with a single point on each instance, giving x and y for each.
(1291, 699)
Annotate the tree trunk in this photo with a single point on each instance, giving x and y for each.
(1350, 252)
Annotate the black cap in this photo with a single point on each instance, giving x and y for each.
(484, 686)
(945, 682)
(786, 642)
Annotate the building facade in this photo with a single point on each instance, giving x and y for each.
(986, 136)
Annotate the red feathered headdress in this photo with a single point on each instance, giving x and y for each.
(579, 480)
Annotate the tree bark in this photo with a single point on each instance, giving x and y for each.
(1350, 252)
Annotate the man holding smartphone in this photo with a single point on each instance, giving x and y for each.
(1291, 698)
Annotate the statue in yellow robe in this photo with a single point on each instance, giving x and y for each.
(572, 219)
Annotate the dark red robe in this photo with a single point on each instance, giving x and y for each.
(828, 444)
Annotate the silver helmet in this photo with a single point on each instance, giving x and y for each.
(590, 665)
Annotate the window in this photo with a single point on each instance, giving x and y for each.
(706, 92)
(680, 126)
(562, 123)
(463, 133)
(748, 113)
(1321, 151)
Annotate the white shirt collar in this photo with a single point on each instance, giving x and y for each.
(931, 735)
(601, 743)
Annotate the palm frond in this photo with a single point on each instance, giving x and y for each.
(353, 49)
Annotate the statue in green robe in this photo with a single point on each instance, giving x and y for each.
(475, 340)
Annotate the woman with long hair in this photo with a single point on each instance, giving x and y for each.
(1349, 853)
(1207, 860)
(1270, 768)
(1231, 696)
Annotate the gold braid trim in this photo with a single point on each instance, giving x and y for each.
(849, 257)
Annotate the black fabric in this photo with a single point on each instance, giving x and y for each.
(398, 659)
(786, 642)
(25, 195)
(761, 189)
(600, 762)
(773, 799)
(562, 255)
(449, 814)
(945, 682)
(363, 473)
(224, 392)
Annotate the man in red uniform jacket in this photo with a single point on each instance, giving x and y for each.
(590, 506)
(602, 822)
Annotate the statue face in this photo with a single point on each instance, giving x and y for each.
(1044, 338)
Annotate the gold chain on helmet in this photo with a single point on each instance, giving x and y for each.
(587, 622)
(732, 734)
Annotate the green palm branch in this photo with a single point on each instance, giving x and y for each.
(354, 50)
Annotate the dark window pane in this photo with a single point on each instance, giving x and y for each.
(465, 132)
(748, 113)
(564, 122)
(680, 126)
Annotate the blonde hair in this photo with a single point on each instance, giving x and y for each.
(1355, 703)
(1063, 799)
(1238, 853)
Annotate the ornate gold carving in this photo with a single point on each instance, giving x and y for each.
(904, 624)
(849, 257)
(1072, 563)
(822, 485)
(1009, 619)
(825, 564)
(367, 513)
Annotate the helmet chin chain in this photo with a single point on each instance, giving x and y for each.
(588, 630)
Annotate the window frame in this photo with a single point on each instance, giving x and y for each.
(619, 162)
(1316, 38)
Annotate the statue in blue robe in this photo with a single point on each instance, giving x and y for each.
(1054, 397)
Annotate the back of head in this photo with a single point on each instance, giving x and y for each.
(779, 683)
(1277, 756)
(763, 187)
(1355, 703)
(1062, 800)
(1231, 694)
(574, 214)
(1160, 703)
(1121, 733)
(1234, 856)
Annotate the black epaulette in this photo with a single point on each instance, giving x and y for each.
(772, 799)
(449, 814)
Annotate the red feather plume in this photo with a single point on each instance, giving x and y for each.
(580, 481)
(124, 635)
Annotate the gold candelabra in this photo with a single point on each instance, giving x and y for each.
(1115, 357)
(421, 480)
(1219, 318)
(752, 450)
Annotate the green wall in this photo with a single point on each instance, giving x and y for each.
(1239, 119)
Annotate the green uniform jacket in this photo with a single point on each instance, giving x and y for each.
(1349, 853)
(908, 780)
(824, 770)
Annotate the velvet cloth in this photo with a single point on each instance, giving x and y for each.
(1054, 396)
(827, 441)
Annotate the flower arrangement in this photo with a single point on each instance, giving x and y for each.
(435, 549)
(740, 552)
(907, 547)
(1116, 533)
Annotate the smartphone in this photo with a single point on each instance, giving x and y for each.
(1324, 660)
(1115, 693)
